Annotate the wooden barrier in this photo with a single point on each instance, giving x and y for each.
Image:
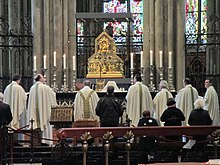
(138, 131)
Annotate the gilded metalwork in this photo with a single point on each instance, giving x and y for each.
(108, 136)
(104, 63)
(86, 136)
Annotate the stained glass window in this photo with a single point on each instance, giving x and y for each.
(196, 18)
(120, 28)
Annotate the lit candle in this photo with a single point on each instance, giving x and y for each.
(161, 59)
(132, 60)
(64, 61)
(35, 63)
(45, 63)
(54, 58)
(142, 62)
(170, 60)
(151, 57)
(74, 62)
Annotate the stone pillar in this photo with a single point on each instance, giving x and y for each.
(72, 35)
(170, 35)
(146, 40)
(58, 39)
(46, 39)
(180, 44)
(37, 32)
(159, 35)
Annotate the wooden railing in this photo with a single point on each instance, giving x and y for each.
(129, 132)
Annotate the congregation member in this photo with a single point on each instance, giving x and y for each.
(109, 109)
(197, 117)
(5, 119)
(85, 103)
(41, 100)
(5, 112)
(15, 97)
(138, 99)
(186, 97)
(147, 144)
(172, 116)
(211, 102)
(160, 100)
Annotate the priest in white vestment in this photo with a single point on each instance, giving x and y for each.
(138, 99)
(15, 97)
(185, 99)
(160, 100)
(41, 100)
(211, 102)
(85, 103)
(111, 83)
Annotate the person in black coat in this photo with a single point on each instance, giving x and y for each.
(147, 144)
(5, 112)
(109, 109)
(5, 119)
(199, 116)
(172, 116)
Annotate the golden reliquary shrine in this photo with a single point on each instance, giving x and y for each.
(104, 63)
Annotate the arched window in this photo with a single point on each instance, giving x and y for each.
(196, 20)
(120, 29)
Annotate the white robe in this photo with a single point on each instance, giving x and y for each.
(160, 103)
(212, 104)
(15, 96)
(136, 105)
(185, 100)
(42, 99)
(78, 104)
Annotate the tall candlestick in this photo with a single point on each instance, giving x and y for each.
(151, 57)
(45, 63)
(35, 63)
(132, 60)
(54, 59)
(74, 62)
(64, 61)
(161, 59)
(142, 62)
(170, 60)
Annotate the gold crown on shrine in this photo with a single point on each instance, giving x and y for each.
(104, 63)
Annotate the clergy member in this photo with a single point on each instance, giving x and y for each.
(186, 97)
(211, 102)
(85, 103)
(41, 99)
(15, 97)
(138, 99)
(160, 100)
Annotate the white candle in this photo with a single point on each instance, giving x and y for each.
(35, 63)
(54, 58)
(64, 61)
(132, 60)
(142, 62)
(74, 62)
(45, 62)
(161, 58)
(151, 57)
(170, 60)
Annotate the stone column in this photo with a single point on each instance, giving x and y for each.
(159, 36)
(58, 38)
(46, 39)
(170, 35)
(146, 40)
(65, 37)
(180, 44)
(72, 34)
(37, 32)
